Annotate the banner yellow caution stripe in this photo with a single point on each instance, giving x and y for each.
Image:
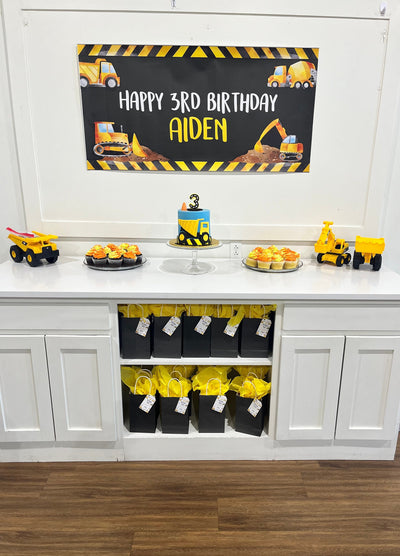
(197, 51)
(198, 166)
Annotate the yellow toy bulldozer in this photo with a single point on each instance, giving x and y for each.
(33, 247)
(330, 249)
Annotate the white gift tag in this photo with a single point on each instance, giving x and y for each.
(147, 403)
(264, 327)
(254, 407)
(231, 330)
(171, 325)
(182, 405)
(143, 327)
(203, 324)
(219, 404)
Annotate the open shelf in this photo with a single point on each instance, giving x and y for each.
(230, 445)
(209, 361)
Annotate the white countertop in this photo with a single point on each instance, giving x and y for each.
(159, 279)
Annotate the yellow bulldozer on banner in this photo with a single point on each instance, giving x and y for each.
(113, 143)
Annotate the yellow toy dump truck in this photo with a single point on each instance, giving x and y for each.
(100, 73)
(290, 149)
(330, 249)
(33, 247)
(368, 250)
(299, 75)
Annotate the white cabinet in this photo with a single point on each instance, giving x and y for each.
(81, 387)
(352, 379)
(369, 393)
(309, 381)
(56, 388)
(25, 402)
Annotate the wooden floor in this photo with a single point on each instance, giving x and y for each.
(204, 508)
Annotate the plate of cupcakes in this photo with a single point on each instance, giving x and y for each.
(111, 257)
(274, 260)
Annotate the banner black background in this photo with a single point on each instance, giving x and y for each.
(294, 107)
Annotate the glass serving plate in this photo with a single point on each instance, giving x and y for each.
(271, 270)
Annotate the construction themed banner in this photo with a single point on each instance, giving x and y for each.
(198, 108)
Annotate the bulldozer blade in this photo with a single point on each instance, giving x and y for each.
(136, 148)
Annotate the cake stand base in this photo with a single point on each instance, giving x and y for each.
(196, 267)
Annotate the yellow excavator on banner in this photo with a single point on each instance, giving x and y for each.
(290, 149)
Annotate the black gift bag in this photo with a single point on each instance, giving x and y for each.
(171, 421)
(193, 343)
(165, 345)
(133, 345)
(223, 345)
(210, 420)
(139, 420)
(250, 343)
(244, 420)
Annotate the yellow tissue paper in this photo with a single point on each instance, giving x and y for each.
(170, 384)
(250, 387)
(134, 311)
(140, 381)
(211, 381)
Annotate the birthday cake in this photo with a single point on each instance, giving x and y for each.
(193, 224)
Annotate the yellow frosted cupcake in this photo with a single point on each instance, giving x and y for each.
(252, 257)
(277, 262)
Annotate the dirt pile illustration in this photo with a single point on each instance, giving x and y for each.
(268, 155)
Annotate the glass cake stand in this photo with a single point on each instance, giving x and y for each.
(196, 267)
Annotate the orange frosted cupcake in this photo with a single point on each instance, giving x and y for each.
(129, 258)
(291, 260)
(99, 257)
(264, 260)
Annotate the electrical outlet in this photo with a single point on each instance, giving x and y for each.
(236, 250)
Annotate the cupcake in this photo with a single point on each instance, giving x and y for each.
(277, 262)
(89, 254)
(129, 258)
(135, 249)
(291, 260)
(252, 257)
(115, 258)
(99, 257)
(264, 260)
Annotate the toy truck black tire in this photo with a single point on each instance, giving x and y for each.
(16, 253)
(319, 258)
(357, 260)
(31, 258)
(376, 262)
(339, 260)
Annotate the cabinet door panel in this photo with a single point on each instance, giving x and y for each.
(370, 388)
(25, 402)
(80, 369)
(309, 381)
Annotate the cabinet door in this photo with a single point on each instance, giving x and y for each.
(81, 379)
(369, 394)
(309, 381)
(25, 402)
